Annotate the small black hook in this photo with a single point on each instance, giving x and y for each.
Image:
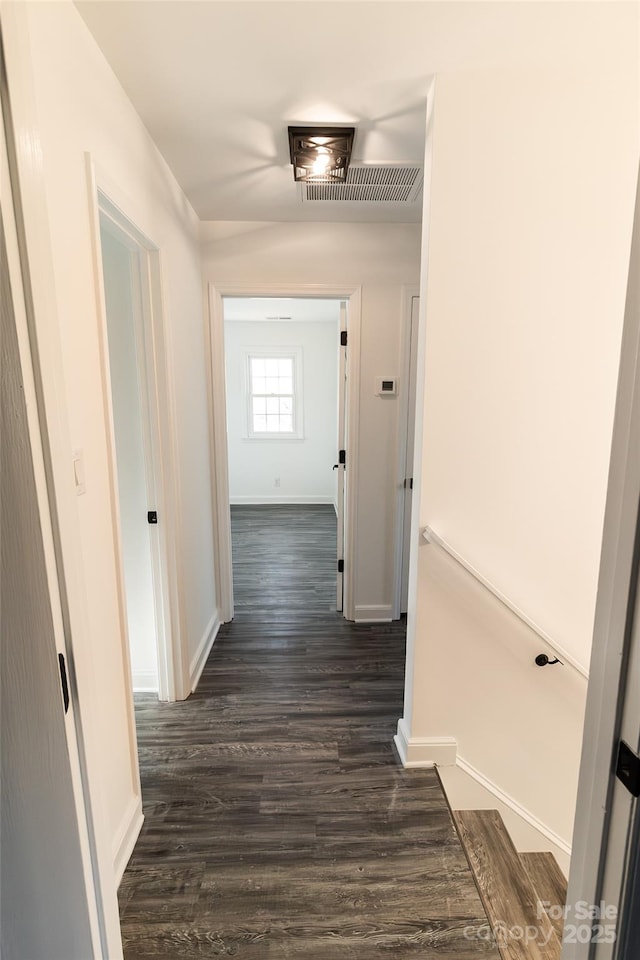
(543, 660)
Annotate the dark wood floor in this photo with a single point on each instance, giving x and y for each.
(279, 823)
(284, 559)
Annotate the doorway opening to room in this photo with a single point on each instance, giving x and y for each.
(132, 349)
(285, 407)
(283, 404)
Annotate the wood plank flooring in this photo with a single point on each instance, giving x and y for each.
(284, 559)
(278, 822)
(550, 885)
(522, 928)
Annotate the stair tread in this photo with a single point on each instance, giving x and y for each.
(523, 930)
(549, 883)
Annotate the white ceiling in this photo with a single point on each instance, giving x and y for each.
(288, 309)
(216, 82)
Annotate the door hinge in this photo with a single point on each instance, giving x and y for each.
(628, 768)
(152, 516)
(64, 682)
(343, 338)
(342, 456)
(340, 566)
(408, 483)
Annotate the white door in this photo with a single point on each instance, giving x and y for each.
(408, 465)
(341, 464)
(46, 911)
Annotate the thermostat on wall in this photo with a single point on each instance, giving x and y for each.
(386, 386)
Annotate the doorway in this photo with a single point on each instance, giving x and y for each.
(411, 306)
(130, 278)
(284, 389)
(283, 358)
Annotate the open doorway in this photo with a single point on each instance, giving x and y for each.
(130, 278)
(284, 359)
(341, 463)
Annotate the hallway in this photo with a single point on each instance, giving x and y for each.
(278, 822)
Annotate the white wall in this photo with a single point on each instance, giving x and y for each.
(132, 483)
(66, 101)
(530, 228)
(529, 232)
(382, 258)
(303, 467)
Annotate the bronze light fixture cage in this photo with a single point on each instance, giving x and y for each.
(321, 154)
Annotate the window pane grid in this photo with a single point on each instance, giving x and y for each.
(272, 395)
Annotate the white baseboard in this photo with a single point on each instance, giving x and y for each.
(125, 838)
(517, 808)
(375, 613)
(204, 649)
(424, 751)
(443, 752)
(145, 681)
(282, 498)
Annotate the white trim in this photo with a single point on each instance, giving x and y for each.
(408, 294)
(424, 751)
(158, 429)
(517, 808)
(218, 419)
(126, 836)
(204, 649)
(421, 347)
(443, 752)
(144, 681)
(219, 454)
(432, 537)
(374, 613)
(284, 498)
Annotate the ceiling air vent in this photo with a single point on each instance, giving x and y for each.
(379, 184)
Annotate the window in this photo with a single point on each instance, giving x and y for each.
(274, 396)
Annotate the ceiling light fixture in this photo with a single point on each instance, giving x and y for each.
(321, 154)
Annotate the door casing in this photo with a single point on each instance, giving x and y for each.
(159, 447)
(218, 424)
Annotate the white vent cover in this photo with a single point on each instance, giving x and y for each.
(370, 184)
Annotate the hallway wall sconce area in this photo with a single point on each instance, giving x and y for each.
(321, 154)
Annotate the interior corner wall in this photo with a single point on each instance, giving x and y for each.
(381, 258)
(302, 469)
(67, 101)
(532, 193)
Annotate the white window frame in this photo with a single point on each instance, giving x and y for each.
(268, 353)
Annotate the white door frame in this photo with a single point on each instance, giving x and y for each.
(343, 350)
(218, 420)
(408, 293)
(159, 445)
(607, 669)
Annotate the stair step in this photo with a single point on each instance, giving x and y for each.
(521, 927)
(549, 883)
